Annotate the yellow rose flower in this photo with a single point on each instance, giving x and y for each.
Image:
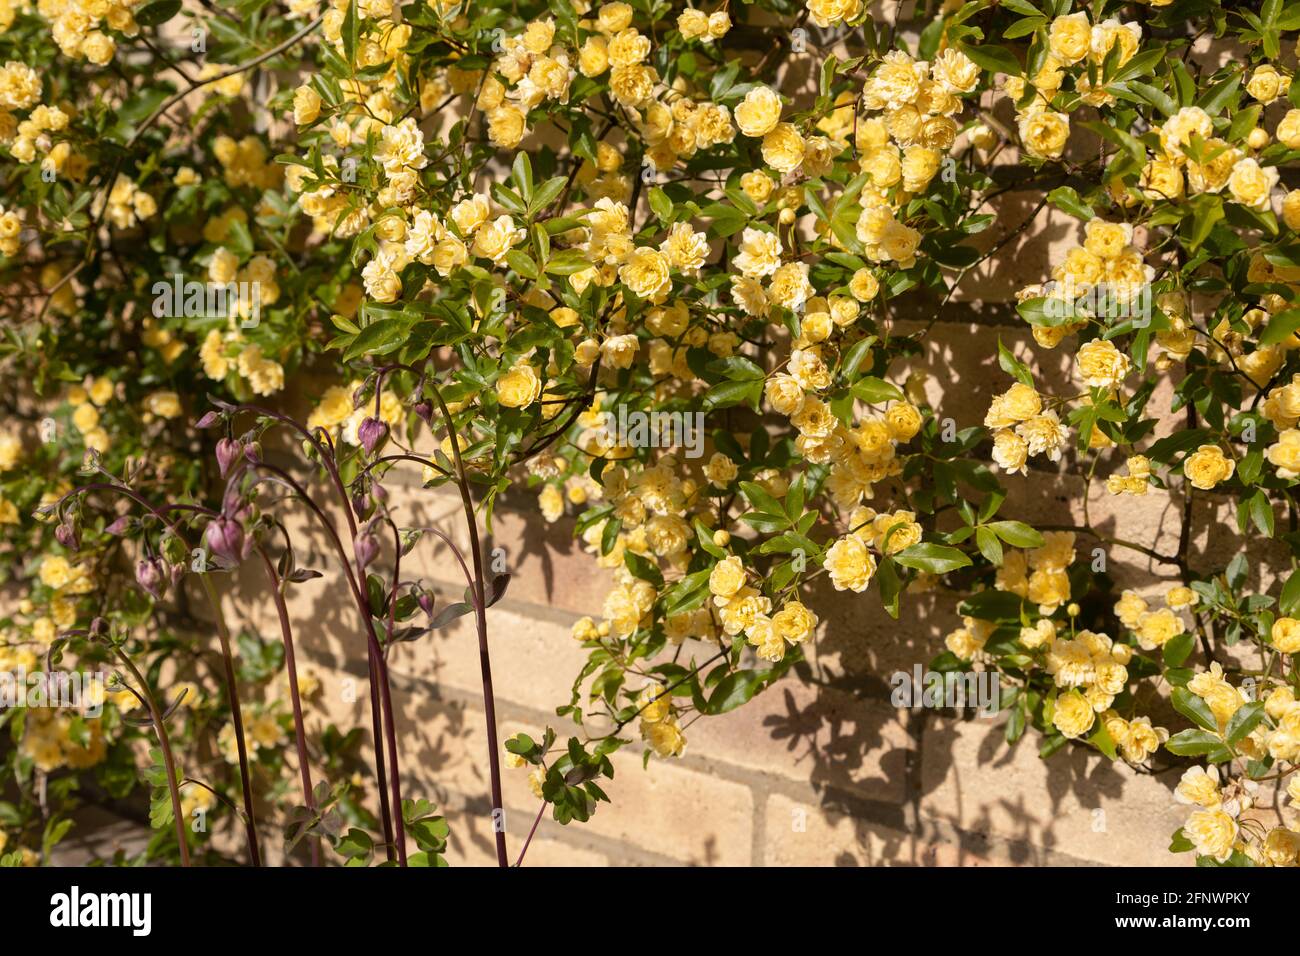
(1045, 134)
(850, 564)
(1101, 364)
(1070, 38)
(1265, 83)
(759, 112)
(783, 148)
(306, 105)
(794, 622)
(519, 387)
(646, 272)
(1073, 716)
(727, 577)
(1207, 467)
(1212, 832)
(1251, 184)
(1286, 635)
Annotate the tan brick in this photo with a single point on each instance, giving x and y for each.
(813, 735)
(546, 563)
(690, 816)
(534, 660)
(1075, 803)
(801, 834)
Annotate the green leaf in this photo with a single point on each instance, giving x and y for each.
(1289, 602)
(160, 11)
(726, 394)
(1017, 534)
(874, 391)
(989, 546)
(660, 204)
(377, 338)
(1198, 743)
(1280, 327)
(522, 263)
(932, 558)
(1067, 200)
(735, 689)
(643, 568)
(761, 499)
(521, 174)
(1194, 708)
(687, 594)
(1241, 723)
(854, 357)
(1178, 649)
(994, 58)
(351, 32)
(1013, 366)
(1207, 210)
(1102, 740)
(1218, 96)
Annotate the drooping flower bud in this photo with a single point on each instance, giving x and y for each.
(372, 434)
(425, 600)
(149, 575)
(224, 537)
(424, 409)
(228, 449)
(367, 549)
(66, 534)
(362, 505)
(208, 420)
(119, 527)
(253, 452)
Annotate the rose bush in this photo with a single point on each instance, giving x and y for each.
(500, 230)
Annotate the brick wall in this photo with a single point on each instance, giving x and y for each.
(821, 768)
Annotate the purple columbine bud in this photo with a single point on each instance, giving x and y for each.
(379, 491)
(367, 549)
(424, 409)
(253, 452)
(425, 600)
(149, 575)
(224, 537)
(372, 434)
(208, 420)
(66, 535)
(119, 527)
(362, 505)
(228, 449)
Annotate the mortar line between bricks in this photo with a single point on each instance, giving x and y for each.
(830, 798)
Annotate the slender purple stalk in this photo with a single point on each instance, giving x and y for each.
(291, 666)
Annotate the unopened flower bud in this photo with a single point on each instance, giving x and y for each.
(224, 537)
(119, 527)
(149, 575)
(228, 449)
(372, 434)
(66, 535)
(367, 549)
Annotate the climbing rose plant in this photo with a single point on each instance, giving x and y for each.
(622, 257)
